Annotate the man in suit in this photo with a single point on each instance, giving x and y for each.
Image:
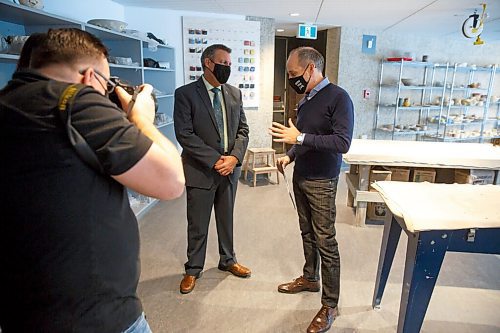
(211, 127)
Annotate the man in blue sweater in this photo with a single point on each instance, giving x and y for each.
(325, 121)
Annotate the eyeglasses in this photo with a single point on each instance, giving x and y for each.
(110, 85)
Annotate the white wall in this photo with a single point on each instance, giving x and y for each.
(85, 10)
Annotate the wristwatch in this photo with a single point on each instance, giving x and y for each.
(300, 138)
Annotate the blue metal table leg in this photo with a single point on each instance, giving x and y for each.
(390, 239)
(424, 256)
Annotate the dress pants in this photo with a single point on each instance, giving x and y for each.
(315, 201)
(200, 201)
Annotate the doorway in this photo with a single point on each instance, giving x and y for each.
(285, 99)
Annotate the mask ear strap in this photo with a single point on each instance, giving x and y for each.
(310, 75)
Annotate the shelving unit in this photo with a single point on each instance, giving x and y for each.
(438, 118)
(407, 120)
(21, 20)
(459, 121)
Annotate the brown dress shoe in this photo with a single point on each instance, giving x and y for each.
(187, 284)
(323, 320)
(236, 269)
(298, 285)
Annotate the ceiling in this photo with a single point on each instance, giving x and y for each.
(441, 18)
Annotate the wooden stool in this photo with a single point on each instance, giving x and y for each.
(267, 154)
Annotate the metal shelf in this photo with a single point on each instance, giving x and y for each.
(415, 107)
(406, 132)
(454, 80)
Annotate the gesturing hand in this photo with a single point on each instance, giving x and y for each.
(283, 133)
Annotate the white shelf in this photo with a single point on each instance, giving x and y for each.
(159, 69)
(23, 15)
(168, 123)
(106, 34)
(125, 66)
(140, 208)
(164, 96)
(9, 56)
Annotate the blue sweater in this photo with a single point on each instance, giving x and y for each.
(327, 120)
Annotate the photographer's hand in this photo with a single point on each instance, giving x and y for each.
(142, 107)
(162, 163)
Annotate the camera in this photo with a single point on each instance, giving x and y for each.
(129, 89)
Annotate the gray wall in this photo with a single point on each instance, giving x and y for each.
(332, 54)
(358, 71)
(259, 120)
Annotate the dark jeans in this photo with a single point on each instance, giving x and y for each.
(315, 201)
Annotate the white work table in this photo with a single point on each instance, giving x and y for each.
(436, 218)
(363, 154)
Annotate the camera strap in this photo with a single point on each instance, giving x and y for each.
(82, 148)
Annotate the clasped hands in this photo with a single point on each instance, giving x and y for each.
(225, 165)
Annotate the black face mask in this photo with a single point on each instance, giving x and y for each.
(221, 72)
(298, 83)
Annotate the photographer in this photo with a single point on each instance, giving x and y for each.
(69, 242)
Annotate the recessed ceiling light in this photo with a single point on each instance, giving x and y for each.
(280, 30)
(294, 14)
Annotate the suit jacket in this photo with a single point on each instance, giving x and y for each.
(197, 132)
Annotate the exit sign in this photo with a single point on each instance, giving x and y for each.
(308, 31)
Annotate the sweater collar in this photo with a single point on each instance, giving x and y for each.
(314, 91)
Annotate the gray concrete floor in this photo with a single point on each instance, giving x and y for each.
(267, 240)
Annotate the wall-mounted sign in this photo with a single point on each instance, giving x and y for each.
(307, 31)
(369, 45)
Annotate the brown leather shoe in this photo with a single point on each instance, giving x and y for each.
(323, 320)
(236, 269)
(298, 285)
(187, 284)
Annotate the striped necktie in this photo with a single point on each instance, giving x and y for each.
(218, 114)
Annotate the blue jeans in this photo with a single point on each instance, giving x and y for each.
(139, 326)
(315, 201)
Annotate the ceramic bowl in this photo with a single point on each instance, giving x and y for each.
(114, 25)
(38, 4)
(408, 82)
